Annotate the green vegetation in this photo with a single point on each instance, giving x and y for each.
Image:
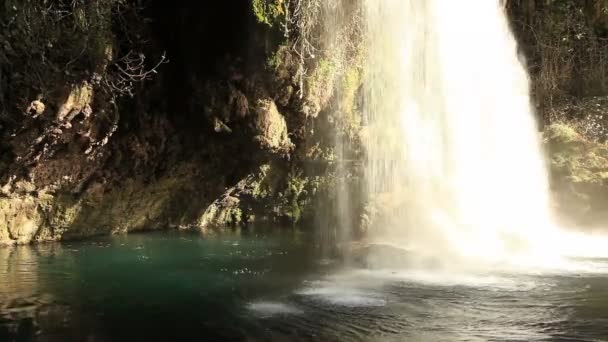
(320, 84)
(564, 43)
(295, 196)
(579, 169)
(269, 12)
(288, 195)
(60, 59)
(574, 158)
(48, 46)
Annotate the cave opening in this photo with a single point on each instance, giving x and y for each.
(206, 44)
(203, 41)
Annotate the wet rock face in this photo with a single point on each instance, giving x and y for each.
(271, 128)
(78, 157)
(176, 199)
(223, 212)
(579, 169)
(217, 137)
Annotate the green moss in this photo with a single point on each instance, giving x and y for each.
(275, 60)
(562, 133)
(350, 84)
(268, 12)
(579, 169)
(262, 185)
(351, 117)
(283, 195)
(296, 197)
(236, 216)
(573, 158)
(334, 82)
(320, 83)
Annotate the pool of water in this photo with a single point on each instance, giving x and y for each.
(277, 287)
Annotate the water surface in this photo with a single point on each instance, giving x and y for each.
(260, 287)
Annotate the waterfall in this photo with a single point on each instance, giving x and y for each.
(454, 156)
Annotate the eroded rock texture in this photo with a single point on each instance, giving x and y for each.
(118, 116)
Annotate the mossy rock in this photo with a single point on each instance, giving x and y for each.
(271, 128)
(579, 169)
(132, 205)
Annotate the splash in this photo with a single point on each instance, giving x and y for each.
(455, 161)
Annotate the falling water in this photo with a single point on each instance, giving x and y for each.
(454, 155)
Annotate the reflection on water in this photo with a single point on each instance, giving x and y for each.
(184, 287)
(26, 306)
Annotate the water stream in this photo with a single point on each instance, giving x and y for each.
(455, 162)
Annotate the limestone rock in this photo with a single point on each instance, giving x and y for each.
(219, 126)
(23, 187)
(36, 108)
(271, 127)
(77, 101)
(20, 219)
(240, 103)
(221, 213)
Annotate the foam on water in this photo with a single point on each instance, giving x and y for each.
(345, 288)
(336, 294)
(269, 308)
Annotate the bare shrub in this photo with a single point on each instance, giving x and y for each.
(566, 51)
(46, 44)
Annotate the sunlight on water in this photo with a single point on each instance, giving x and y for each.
(452, 143)
(268, 309)
(101, 290)
(363, 282)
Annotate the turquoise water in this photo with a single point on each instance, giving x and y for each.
(277, 287)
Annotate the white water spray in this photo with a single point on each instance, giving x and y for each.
(454, 155)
